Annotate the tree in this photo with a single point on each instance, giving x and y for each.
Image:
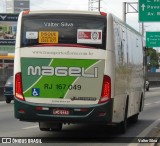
(154, 58)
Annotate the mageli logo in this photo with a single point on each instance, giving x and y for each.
(62, 71)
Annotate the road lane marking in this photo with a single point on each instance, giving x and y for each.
(149, 128)
(145, 132)
(3, 111)
(147, 104)
(157, 102)
(30, 127)
(2, 102)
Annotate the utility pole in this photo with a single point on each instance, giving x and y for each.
(91, 5)
(99, 5)
(131, 7)
(142, 29)
(124, 11)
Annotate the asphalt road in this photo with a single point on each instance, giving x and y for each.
(87, 135)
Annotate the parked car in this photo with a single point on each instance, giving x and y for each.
(8, 90)
(147, 85)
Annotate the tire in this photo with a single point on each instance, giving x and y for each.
(50, 126)
(8, 100)
(122, 127)
(134, 118)
(58, 127)
(44, 129)
(141, 103)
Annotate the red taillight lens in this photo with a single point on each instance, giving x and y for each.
(106, 89)
(18, 86)
(26, 12)
(103, 13)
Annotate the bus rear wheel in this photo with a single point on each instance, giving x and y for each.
(50, 126)
(56, 127)
(134, 118)
(44, 129)
(122, 127)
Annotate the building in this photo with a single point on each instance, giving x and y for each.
(8, 26)
(16, 6)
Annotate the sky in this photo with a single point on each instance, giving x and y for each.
(113, 6)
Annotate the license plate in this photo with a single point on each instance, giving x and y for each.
(48, 37)
(61, 112)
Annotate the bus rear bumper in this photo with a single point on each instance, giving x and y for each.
(31, 112)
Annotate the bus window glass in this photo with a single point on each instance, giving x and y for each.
(69, 29)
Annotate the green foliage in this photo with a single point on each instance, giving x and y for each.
(154, 57)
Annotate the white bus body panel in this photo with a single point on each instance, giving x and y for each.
(124, 65)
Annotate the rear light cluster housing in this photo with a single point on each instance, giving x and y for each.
(18, 87)
(106, 89)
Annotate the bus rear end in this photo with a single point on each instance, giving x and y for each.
(59, 69)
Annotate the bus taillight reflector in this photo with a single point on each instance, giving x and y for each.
(40, 108)
(18, 86)
(21, 111)
(106, 89)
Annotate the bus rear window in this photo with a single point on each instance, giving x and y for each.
(68, 29)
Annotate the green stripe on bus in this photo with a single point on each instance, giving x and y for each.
(51, 81)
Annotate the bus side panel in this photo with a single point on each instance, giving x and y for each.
(110, 70)
(129, 74)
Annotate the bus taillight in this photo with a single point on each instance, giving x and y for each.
(26, 12)
(103, 13)
(106, 89)
(18, 86)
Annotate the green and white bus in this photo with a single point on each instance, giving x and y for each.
(77, 67)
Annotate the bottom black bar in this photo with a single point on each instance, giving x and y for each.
(79, 140)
